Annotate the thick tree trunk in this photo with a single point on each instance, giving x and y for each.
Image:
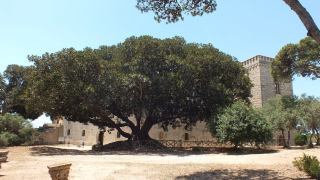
(143, 133)
(318, 138)
(289, 137)
(310, 140)
(306, 18)
(283, 139)
(101, 137)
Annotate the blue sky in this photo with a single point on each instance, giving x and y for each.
(241, 28)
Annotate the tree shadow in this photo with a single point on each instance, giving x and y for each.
(53, 151)
(233, 174)
(245, 151)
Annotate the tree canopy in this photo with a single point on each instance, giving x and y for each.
(309, 108)
(14, 91)
(174, 10)
(298, 59)
(153, 80)
(282, 113)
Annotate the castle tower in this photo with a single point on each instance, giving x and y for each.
(264, 87)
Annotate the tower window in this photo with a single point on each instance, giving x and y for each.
(68, 132)
(83, 132)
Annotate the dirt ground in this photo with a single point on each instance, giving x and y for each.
(31, 163)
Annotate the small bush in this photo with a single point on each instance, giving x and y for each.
(308, 164)
(301, 139)
(196, 149)
(3, 141)
(12, 139)
(15, 130)
(241, 124)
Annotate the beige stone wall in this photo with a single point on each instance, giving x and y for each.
(197, 132)
(76, 137)
(253, 67)
(50, 136)
(90, 136)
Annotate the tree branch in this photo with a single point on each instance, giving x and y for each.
(115, 111)
(107, 121)
(305, 17)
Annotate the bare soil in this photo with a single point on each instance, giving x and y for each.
(32, 162)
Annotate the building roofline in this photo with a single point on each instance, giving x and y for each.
(256, 59)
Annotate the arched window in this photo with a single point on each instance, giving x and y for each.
(83, 132)
(68, 132)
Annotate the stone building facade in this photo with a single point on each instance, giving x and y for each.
(263, 89)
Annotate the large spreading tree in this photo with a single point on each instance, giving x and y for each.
(136, 84)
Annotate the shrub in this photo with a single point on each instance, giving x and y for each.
(241, 124)
(26, 134)
(196, 149)
(12, 139)
(301, 139)
(3, 140)
(308, 164)
(15, 130)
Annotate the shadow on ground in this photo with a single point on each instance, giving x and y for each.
(233, 174)
(52, 151)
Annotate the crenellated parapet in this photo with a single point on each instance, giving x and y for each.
(255, 61)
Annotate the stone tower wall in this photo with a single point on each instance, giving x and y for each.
(264, 87)
(252, 65)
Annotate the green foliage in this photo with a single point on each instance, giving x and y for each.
(282, 113)
(3, 140)
(12, 139)
(2, 92)
(298, 59)
(15, 91)
(309, 112)
(308, 164)
(158, 81)
(301, 139)
(196, 149)
(172, 11)
(241, 124)
(15, 130)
